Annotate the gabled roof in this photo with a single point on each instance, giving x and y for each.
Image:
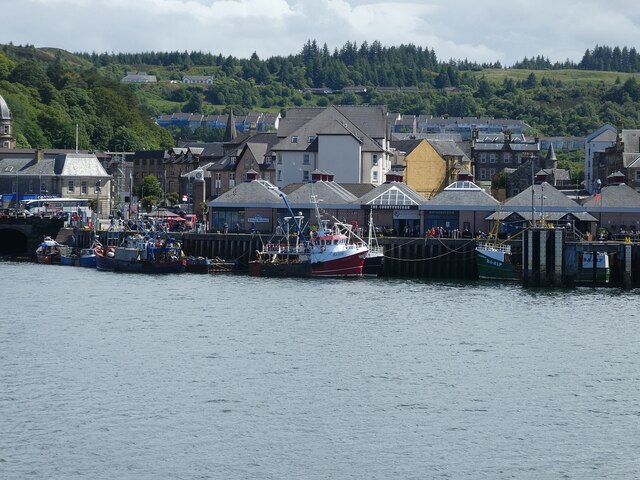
(328, 194)
(614, 196)
(331, 121)
(447, 148)
(461, 194)
(606, 133)
(554, 200)
(257, 193)
(392, 193)
(631, 140)
(406, 146)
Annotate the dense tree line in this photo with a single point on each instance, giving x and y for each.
(48, 99)
(606, 59)
(50, 93)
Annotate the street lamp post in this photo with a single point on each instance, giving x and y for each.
(98, 187)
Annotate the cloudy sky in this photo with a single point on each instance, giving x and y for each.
(479, 31)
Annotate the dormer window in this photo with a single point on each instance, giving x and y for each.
(311, 138)
(294, 139)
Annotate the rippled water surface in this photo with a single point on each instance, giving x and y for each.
(116, 376)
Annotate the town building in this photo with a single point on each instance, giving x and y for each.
(465, 126)
(28, 174)
(490, 154)
(602, 138)
(428, 166)
(623, 156)
(351, 141)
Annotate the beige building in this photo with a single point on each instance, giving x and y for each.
(429, 165)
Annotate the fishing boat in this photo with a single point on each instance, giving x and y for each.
(330, 252)
(48, 251)
(494, 258)
(78, 257)
(374, 260)
(141, 254)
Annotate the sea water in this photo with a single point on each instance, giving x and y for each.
(124, 376)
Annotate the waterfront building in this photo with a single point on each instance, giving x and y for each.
(27, 174)
(462, 206)
(616, 206)
(542, 203)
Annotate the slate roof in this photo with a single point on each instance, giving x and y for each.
(328, 194)
(606, 133)
(620, 197)
(554, 200)
(257, 193)
(67, 165)
(406, 146)
(331, 121)
(447, 148)
(462, 195)
(631, 140)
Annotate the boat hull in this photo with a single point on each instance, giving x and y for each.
(138, 266)
(346, 266)
(279, 270)
(373, 265)
(493, 266)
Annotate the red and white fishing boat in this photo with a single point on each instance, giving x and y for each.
(331, 252)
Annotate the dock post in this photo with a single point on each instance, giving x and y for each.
(558, 255)
(626, 275)
(543, 280)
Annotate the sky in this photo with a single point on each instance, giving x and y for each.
(479, 31)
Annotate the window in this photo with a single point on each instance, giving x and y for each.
(375, 176)
(143, 161)
(492, 158)
(492, 172)
(279, 173)
(70, 187)
(232, 179)
(294, 139)
(311, 138)
(638, 176)
(375, 159)
(279, 159)
(30, 186)
(305, 176)
(305, 160)
(483, 174)
(483, 158)
(83, 188)
(506, 158)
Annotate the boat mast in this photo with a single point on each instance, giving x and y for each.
(295, 220)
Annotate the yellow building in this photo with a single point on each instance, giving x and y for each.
(429, 165)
